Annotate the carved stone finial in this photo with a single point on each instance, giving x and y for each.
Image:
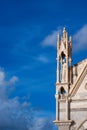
(58, 37)
(64, 29)
(70, 38)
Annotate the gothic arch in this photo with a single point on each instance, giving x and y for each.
(81, 127)
(62, 92)
(63, 56)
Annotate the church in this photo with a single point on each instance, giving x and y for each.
(71, 87)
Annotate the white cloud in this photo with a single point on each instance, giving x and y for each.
(6, 86)
(42, 58)
(13, 80)
(15, 115)
(2, 76)
(80, 39)
(4, 82)
(51, 39)
(42, 124)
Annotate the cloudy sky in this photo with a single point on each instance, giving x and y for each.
(28, 30)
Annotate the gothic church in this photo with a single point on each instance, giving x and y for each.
(71, 88)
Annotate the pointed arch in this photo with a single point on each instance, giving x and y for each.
(62, 92)
(63, 56)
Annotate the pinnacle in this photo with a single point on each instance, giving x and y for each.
(64, 29)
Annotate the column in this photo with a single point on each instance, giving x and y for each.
(66, 68)
(57, 107)
(67, 108)
(70, 71)
(57, 69)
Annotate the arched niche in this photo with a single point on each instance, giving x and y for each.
(62, 67)
(63, 56)
(62, 92)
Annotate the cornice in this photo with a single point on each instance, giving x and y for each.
(63, 122)
(74, 109)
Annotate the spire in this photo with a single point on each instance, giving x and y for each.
(64, 29)
(65, 34)
(64, 59)
(58, 41)
(70, 38)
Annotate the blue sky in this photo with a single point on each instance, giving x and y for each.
(28, 31)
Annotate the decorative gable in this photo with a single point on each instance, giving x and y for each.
(80, 86)
(81, 92)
